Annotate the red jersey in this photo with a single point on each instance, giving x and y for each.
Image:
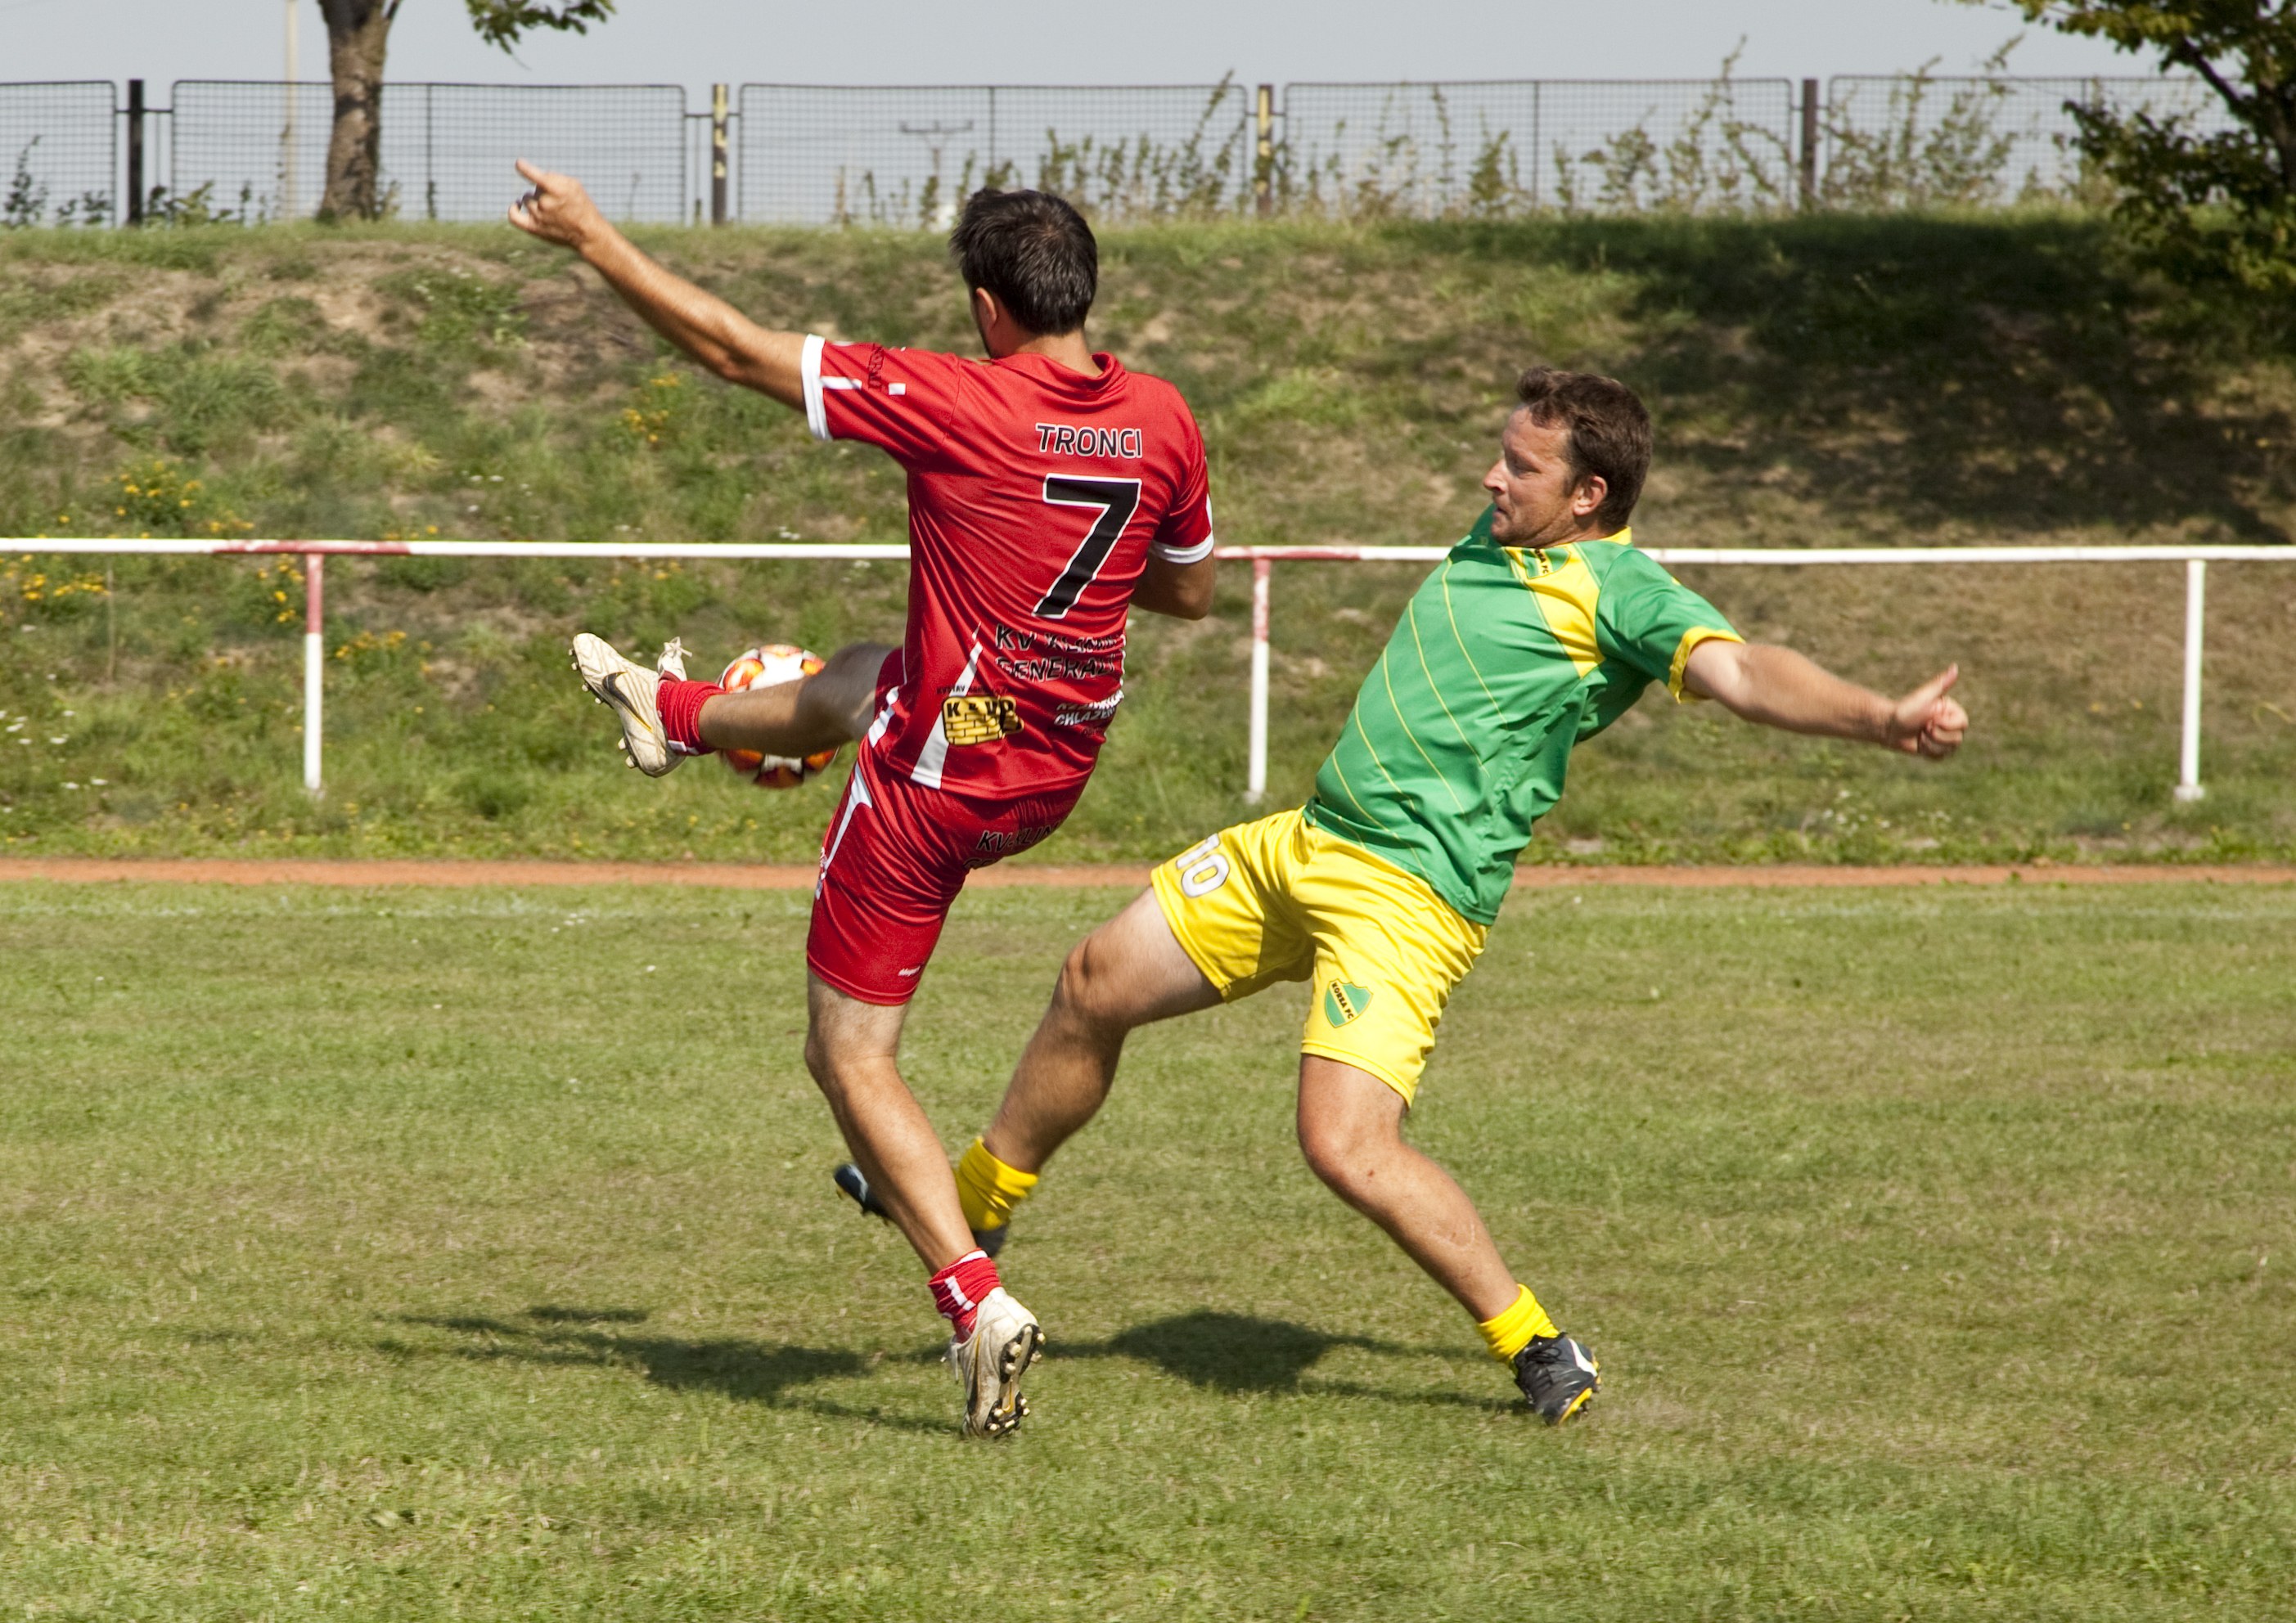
(1037, 496)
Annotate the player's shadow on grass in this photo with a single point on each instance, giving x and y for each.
(748, 1372)
(554, 1313)
(1233, 1352)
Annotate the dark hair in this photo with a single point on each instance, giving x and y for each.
(1609, 432)
(1033, 251)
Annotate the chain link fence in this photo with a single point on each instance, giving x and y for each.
(1910, 140)
(832, 155)
(838, 155)
(59, 153)
(252, 151)
(1495, 148)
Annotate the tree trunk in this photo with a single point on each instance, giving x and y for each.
(358, 33)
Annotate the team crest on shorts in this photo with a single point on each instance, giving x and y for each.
(1343, 1001)
(979, 718)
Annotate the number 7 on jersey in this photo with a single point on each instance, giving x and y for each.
(1117, 499)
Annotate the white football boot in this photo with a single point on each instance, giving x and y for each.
(989, 1363)
(632, 692)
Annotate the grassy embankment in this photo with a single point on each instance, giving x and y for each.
(1935, 1247)
(1872, 381)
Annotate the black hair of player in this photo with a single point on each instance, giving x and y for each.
(1609, 432)
(1034, 252)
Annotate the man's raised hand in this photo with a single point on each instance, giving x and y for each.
(1927, 721)
(557, 209)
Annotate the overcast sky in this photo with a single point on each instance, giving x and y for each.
(891, 41)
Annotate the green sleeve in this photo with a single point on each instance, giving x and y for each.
(1652, 621)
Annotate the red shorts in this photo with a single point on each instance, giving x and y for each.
(893, 859)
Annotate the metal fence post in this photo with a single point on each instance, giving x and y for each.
(2188, 765)
(134, 214)
(716, 154)
(287, 202)
(1263, 168)
(1810, 143)
(315, 667)
(1536, 157)
(1255, 778)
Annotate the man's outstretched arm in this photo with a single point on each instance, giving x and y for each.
(705, 326)
(1780, 688)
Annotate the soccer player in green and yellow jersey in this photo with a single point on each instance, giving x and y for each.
(1542, 627)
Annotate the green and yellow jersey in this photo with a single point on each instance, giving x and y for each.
(1506, 658)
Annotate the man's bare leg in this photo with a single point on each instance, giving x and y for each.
(1128, 972)
(850, 1047)
(833, 706)
(1351, 1132)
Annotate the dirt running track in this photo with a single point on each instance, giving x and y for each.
(233, 870)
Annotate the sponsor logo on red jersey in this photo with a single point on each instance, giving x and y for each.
(1037, 497)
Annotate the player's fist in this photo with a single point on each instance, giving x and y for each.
(1929, 721)
(557, 209)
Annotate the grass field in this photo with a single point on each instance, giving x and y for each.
(416, 1254)
(1821, 380)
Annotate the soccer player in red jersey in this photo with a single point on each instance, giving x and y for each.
(1050, 491)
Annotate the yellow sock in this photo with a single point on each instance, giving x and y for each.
(1513, 1330)
(987, 1189)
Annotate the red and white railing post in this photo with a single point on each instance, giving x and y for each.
(314, 668)
(1255, 772)
(2188, 757)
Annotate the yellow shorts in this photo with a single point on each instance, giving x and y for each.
(1279, 900)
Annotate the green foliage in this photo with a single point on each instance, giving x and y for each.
(501, 22)
(373, 1257)
(2214, 207)
(457, 307)
(25, 204)
(424, 574)
(1717, 160)
(1908, 161)
(39, 596)
(1196, 178)
(27, 201)
(1141, 180)
(198, 252)
(109, 376)
(193, 397)
(22, 305)
(154, 497)
(284, 327)
(2219, 207)
(197, 207)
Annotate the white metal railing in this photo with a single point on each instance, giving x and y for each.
(1263, 560)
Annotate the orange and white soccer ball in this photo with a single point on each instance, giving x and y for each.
(770, 666)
